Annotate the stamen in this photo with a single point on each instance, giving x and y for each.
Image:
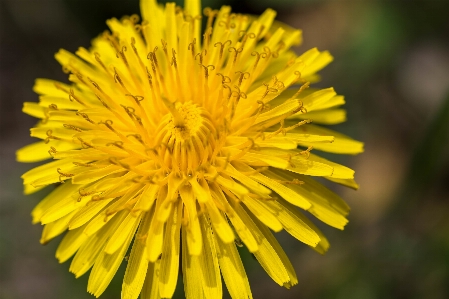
(307, 152)
(222, 45)
(84, 144)
(191, 47)
(52, 151)
(121, 54)
(62, 175)
(236, 51)
(73, 97)
(108, 123)
(269, 89)
(72, 127)
(173, 62)
(201, 55)
(82, 164)
(242, 75)
(50, 136)
(224, 79)
(102, 101)
(85, 116)
(97, 58)
(210, 14)
(138, 99)
(301, 89)
(138, 137)
(118, 144)
(255, 53)
(206, 69)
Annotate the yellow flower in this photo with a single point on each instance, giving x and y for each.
(186, 145)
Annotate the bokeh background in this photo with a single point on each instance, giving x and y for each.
(391, 63)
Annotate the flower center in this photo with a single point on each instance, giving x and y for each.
(187, 137)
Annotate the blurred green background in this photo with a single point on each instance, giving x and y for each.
(391, 63)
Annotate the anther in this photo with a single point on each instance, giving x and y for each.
(263, 106)
(191, 47)
(121, 54)
(58, 86)
(82, 164)
(52, 151)
(206, 69)
(236, 51)
(255, 53)
(138, 137)
(224, 79)
(164, 46)
(118, 144)
(85, 116)
(73, 97)
(83, 193)
(242, 75)
(173, 61)
(53, 106)
(210, 14)
(134, 19)
(95, 84)
(267, 50)
(50, 136)
(201, 55)
(138, 99)
(281, 46)
(62, 175)
(239, 94)
(108, 123)
(84, 144)
(102, 101)
(222, 45)
(72, 127)
(307, 152)
(269, 89)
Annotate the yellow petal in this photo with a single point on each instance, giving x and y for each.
(89, 251)
(122, 233)
(168, 276)
(232, 269)
(136, 270)
(34, 109)
(272, 258)
(106, 265)
(315, 61)
(39, 151)
(325, 117)
(341, 145)
(52, 199)
(293, 224)
(323, 245)
(288, 193)
(262, 213)
(55, 228)
(86, 213)
(150, 288)
(63, 207)
(192, 271)
(194, 239)
(210, 272)
(345, 182)
(70, 244)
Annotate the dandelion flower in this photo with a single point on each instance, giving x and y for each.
(170, 147)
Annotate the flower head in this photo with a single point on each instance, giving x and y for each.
(185, 145)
